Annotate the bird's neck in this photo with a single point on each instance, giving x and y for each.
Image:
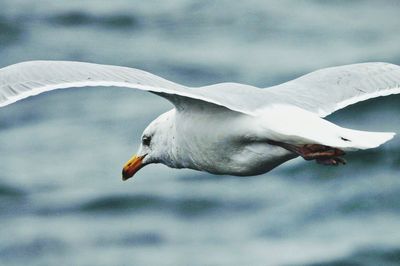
(175, 151)
(169, 153)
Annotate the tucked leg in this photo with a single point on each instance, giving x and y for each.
(322, 154)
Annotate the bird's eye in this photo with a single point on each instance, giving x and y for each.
(146, 140)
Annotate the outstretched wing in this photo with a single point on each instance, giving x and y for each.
(328, 90)
(321, 92)
(31, 78)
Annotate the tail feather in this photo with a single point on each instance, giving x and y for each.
(293, 125)
(356, 139)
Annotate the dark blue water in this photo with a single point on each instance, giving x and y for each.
(62, 201)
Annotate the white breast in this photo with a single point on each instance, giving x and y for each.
(222, 142)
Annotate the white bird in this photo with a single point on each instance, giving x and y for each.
(228, 128)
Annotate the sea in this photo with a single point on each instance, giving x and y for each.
(62, 200)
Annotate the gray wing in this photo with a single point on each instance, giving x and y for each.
(328, 90)
(26, 79)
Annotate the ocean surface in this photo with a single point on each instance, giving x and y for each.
(62, 201)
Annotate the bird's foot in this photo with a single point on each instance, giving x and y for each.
(317, 151)
(322, 154)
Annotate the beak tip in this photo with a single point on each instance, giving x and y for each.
(132, 166)
(125, 175)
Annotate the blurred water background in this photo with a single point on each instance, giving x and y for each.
(62, 201)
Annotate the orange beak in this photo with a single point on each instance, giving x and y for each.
(132, 166)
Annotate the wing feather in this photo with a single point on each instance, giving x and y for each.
(26, 79)
(328, 90)
(322, 92)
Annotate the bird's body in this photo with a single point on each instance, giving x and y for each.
(217, 141)
(228, 128)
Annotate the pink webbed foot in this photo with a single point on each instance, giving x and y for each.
(322, 154)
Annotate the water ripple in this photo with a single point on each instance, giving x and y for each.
(10, 31)
(79, 18)
(123, 204)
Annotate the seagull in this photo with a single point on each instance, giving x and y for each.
(228, 128)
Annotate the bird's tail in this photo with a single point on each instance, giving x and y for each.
(293, 125)
(356, 139)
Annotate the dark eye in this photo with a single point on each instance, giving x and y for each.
(146, 140)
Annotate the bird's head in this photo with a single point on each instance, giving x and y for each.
(153, 146)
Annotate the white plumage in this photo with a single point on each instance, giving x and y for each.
(226, 128)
